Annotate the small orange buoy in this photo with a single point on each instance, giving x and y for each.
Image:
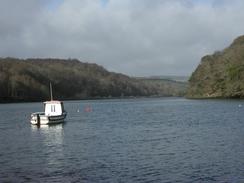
(88, 109)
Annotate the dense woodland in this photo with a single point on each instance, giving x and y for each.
(28, 80)
(220, 75)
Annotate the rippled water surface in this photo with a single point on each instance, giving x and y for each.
(137, 140)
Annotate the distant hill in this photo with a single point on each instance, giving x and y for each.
(220, 75)
(172, 78)
(166, 87)
(28, 80)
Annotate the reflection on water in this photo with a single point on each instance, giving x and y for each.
(47, 129)
(53, 134)
(52, 139)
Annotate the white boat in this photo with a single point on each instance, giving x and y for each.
(53, 113)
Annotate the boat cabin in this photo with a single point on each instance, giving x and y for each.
(53, 108)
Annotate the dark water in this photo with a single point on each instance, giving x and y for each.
(138, 140)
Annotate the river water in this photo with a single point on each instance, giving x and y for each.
(129, 140)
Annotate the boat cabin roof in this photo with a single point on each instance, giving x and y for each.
(53, 102)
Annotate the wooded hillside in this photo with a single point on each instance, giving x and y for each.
(28, 80)
(220, 75)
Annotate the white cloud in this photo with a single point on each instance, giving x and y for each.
(135, 37)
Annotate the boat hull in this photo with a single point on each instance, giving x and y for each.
(42, 119)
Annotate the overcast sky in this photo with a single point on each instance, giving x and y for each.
(134, 37)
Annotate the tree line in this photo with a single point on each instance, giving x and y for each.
(28, 80)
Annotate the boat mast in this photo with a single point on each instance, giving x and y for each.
(51, 91)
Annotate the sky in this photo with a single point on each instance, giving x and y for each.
(134, 37)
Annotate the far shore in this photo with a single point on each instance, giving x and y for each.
(121, 98)
(88, 98)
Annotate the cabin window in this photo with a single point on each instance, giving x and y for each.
(52, 108)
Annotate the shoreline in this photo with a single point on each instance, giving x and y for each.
(121, 98)
(91, 98)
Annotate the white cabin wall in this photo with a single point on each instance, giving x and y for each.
(55, 110)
